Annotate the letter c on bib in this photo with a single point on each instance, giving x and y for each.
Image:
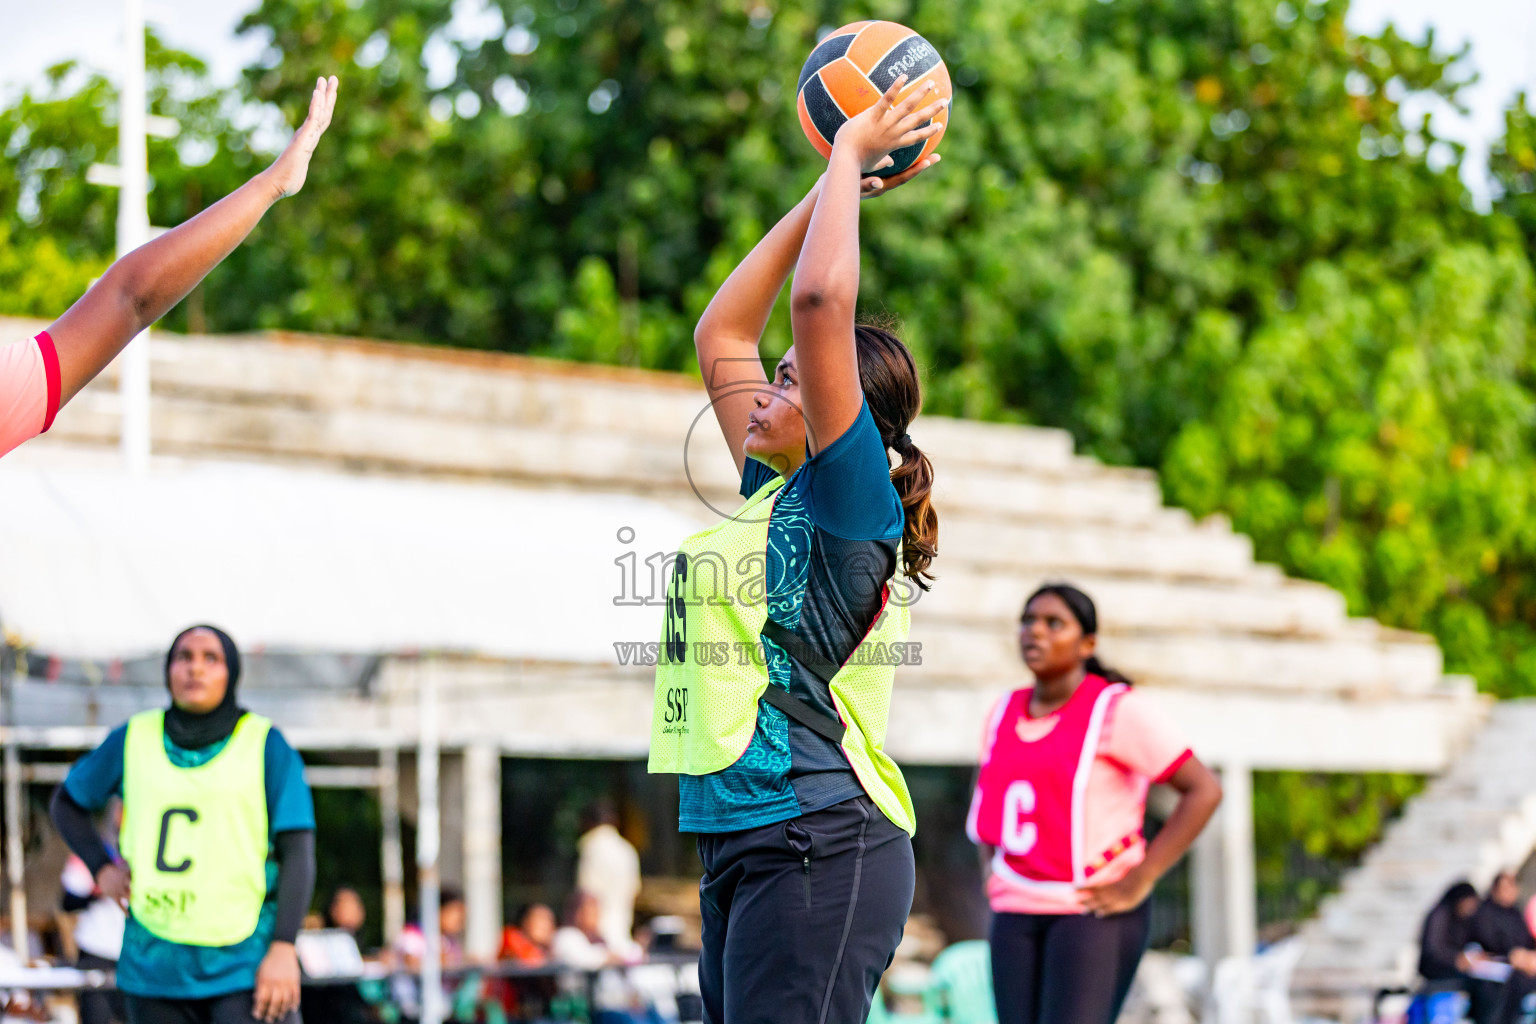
(1019, 835)
(165, 836)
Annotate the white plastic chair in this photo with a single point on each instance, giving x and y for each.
(1250, 989)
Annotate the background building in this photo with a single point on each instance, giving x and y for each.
(370, 519)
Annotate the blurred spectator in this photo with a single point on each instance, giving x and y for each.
(1498, 926)
(410, 950)
(411, 946)
(579, 943)
(608, 868)
(1500, 929)
(1443, 961)
(339, 1003)
(529, 941)
(345, 910)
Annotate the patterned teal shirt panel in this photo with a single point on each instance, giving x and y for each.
(756, 790)
(761, 788)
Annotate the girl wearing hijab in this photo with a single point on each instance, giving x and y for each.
(1058, 809)
(38, 376)
(218, 847)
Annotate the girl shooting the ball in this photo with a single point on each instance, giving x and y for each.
(804, 822)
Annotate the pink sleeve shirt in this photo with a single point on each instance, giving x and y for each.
(29, 389)
(1139, 746)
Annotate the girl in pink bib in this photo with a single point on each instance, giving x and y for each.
(1058, 807)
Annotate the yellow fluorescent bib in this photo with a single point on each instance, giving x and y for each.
(710, 671)
(196, 838)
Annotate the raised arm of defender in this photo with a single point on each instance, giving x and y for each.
(145, 284)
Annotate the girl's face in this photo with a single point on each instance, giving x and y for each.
(347, 910)
(776, 428)
(199, 676)
(539, 925)
(1050, 638)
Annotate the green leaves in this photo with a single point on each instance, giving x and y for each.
(57, 228)
(1199, 235)
(1309, 827)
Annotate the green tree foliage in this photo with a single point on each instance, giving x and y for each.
(1199, 234)
(1513, 163)
(57, 230)
(1309, 828)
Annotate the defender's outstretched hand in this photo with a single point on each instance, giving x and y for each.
(290, 169)
(144, 285)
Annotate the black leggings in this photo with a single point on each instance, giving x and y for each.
(234, 1008)
(1499, 1002)
(99, 1006)
(1066, 968)
(801, 917)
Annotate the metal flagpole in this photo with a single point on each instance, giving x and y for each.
(133, 231)
(14, 794)
(390, 850)
(428, 846)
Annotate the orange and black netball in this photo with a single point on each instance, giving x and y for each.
(852, 67)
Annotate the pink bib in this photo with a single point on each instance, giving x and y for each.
(1031, 788)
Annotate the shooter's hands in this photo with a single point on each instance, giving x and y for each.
(875, 185)
(277, 983)
(288, 172)
(114, 883)
(888, 125)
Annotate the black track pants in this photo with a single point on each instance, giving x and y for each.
(97, 1006)
(234, 1008)
(1066, 968)
(801, 918)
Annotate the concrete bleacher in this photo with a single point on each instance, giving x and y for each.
(1183, 603)
(1476, 819)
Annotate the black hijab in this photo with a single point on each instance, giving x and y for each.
(192, 731)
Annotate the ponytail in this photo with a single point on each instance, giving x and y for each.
(1093, 666)
(920, 533)
(888, 376)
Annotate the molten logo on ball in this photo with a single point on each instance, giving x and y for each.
(851, 68)
(914, 59)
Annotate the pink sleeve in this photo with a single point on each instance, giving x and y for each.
(29, 389)
(994, 719)
(1141, 738)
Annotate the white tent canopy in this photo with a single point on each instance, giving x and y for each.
(96, 563)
